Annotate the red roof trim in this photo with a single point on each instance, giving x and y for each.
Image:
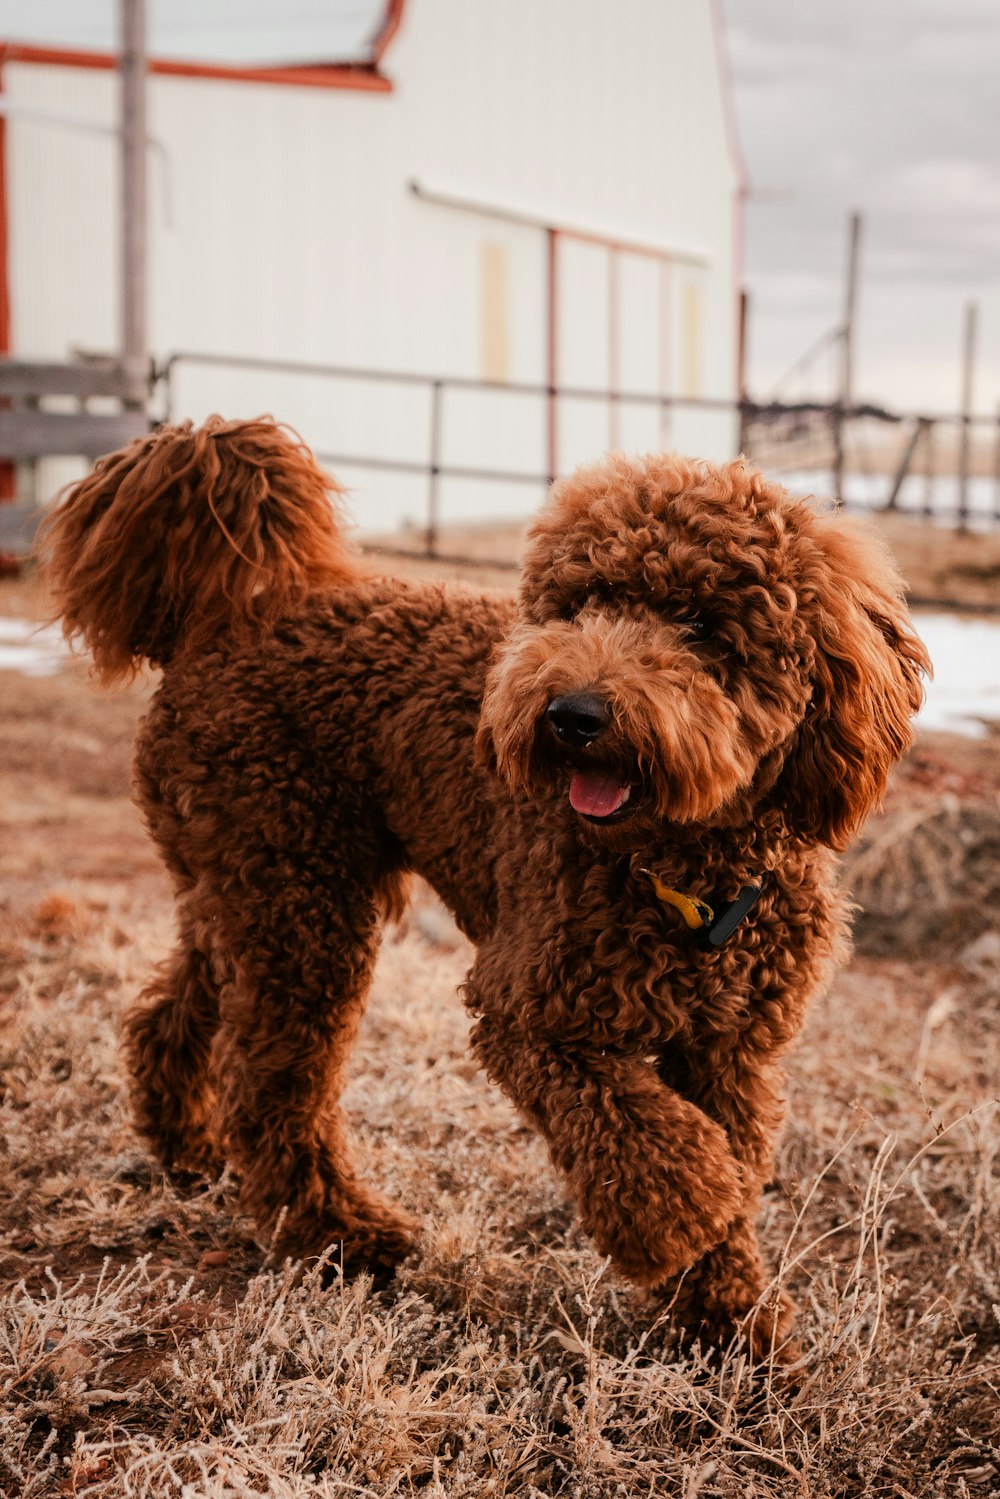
(391, 23)
(311, 75)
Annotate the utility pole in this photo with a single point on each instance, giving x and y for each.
(968, 370)
(845, 399)
(134, 355)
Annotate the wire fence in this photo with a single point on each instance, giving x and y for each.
(941, 468)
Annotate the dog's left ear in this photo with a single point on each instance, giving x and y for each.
(867, 681)
(484, 754)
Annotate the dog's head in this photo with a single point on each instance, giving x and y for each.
(695, 646)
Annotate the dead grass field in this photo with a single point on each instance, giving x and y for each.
(938, 564)
(149, 1347)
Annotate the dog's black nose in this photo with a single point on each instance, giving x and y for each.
(578, 718)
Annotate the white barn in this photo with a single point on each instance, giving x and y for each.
(532, 194)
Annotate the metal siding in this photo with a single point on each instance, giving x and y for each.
(63, 186)
(294, 235)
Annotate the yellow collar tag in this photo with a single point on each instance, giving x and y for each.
(696, 913)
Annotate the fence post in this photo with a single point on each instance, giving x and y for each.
(552, 350)
(968, 369)
(614, 350)
(929, 475)
(433, 518)
(741, 373)
(845, 399)
(164, 375)
(837, 429)
(919, 427)
(134, 230)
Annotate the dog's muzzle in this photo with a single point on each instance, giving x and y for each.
(578, 719)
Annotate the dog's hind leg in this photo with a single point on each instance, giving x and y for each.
(305, 946)
(168, 1039)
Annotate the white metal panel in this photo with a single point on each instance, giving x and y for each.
(641, 286)
(62, 197)
(293, 234)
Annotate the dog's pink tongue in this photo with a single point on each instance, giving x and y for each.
(596, 794)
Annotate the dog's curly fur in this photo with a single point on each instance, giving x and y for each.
(320, 732)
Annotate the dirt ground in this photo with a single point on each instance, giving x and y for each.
(148, 1346)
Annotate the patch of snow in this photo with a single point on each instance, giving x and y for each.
(869, 492)
(964, 696)
(31, 649)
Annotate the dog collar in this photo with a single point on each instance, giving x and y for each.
(715, 923)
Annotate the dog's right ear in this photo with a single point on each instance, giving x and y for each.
(868, 674)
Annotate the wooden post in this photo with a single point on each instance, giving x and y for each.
(133, 200)
(919, 429)
(968, 370)
(8, 475)
(929, 473)
(846, 397)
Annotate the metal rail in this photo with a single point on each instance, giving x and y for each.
(756, 417)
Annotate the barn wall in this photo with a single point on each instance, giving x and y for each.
(282, 226)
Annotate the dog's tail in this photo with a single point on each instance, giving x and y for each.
(189, 536)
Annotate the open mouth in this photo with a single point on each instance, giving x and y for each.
(600, 795)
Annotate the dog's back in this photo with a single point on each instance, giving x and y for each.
(351, 725)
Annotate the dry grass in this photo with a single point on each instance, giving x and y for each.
(148, 1346)
(938, 564)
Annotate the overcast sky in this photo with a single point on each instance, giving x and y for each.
(237, 31)
(891, 107)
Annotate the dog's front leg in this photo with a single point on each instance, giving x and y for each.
(655, 1181)
(727, 1291)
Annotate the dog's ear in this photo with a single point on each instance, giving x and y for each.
(484, 753)
(867, 682)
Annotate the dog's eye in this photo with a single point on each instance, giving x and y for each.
(697, 626)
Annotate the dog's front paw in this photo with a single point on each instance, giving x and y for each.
(667, 1214)
(726, 1299)
(767, 1329)
(763, 1327)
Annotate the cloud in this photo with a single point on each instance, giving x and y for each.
(891, 108)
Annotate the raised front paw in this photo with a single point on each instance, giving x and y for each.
(663, 1214)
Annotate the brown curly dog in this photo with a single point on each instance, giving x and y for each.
(625, 783)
